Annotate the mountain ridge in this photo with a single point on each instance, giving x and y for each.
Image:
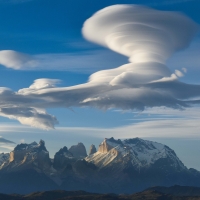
(118, 166)
(143, 152)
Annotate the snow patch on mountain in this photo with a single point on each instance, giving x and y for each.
(141, 153)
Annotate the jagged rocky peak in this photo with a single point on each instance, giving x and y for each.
(109, 144)
(65, 152)
(92, 149)
(28, 153)
(63, 158)
(24, 146)
(21, 150)
(78, 151)
(41, 145)
(34, 146)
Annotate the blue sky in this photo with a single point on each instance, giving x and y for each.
(48, 39)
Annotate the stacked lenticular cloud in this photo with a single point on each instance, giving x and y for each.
(147, 36)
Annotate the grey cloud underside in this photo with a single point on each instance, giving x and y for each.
(147, 37)
(27, 107)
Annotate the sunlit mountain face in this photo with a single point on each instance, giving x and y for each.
(117, 166)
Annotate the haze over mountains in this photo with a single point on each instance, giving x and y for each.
(118, 166)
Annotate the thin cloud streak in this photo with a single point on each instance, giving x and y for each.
(86, 62)
(161, 128)
(6, 145)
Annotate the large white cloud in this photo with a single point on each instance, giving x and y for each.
(140, 33)
(148, 38)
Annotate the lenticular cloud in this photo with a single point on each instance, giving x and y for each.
(148, 38)
(141, 33)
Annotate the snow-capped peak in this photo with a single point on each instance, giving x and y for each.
(141, 153)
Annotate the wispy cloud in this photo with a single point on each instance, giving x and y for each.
(3, 140)
(168, 128)
(151, 123)
(6, 148)
(6, 145)
(85, 62)
(170, 124)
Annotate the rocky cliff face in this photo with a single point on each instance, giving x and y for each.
(26, 156)
(108, 144)
(63, 158)
(78, 150)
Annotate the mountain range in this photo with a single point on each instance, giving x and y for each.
(118, 166)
